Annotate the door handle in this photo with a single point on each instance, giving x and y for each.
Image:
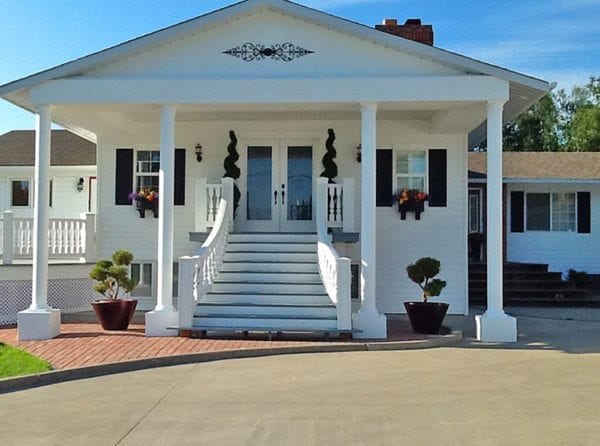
(275, 194)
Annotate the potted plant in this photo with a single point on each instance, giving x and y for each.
(426, 317)
(145, 198)
(112, 276)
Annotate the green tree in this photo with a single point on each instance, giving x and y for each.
(581, 117)
(536, 130)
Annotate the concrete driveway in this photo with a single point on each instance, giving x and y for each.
(543, 390)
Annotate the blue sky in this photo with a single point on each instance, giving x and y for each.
(556, 40)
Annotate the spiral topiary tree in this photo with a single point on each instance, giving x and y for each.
(232, 170)
(330, 168)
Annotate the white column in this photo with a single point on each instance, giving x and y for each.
(368, 320)
(494, 325)
(164, 314)
(40, 321)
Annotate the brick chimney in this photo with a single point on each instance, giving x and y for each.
(412, 29)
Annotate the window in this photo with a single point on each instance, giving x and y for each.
(551, 212)
(411, 170)
(142, 274)
(19, 193)
(146, 169)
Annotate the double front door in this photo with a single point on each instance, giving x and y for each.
(277, 195)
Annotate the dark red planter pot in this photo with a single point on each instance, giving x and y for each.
(426, 317)
(114, 314)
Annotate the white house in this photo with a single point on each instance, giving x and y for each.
(72, 174)
(552, 207)
(268, 80)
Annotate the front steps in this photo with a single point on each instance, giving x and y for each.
(528, 284)
(268, 283)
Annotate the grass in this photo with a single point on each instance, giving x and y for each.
(15, 362)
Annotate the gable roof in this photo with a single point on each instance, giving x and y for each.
(524, 90)
(551, 166)
(17, 148)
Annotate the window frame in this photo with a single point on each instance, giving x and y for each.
(551, 212)
(29, 192)
(425, 175)
(138, 174)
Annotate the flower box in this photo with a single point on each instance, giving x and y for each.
(411, 200)
(145, 199)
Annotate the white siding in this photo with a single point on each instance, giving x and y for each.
(67, 202)
(560, 250)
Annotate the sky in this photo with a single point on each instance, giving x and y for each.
(555, 40)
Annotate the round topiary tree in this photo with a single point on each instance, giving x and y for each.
(422, 272)
(232, 170)
(112, 276)
(331, 169)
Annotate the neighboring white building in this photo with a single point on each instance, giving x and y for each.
(552, 207)
(280, 75)
(72, 174)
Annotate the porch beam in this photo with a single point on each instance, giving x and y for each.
(368, 320)
(271, 91)
(164, 314)
(495, 325)
(40, 321)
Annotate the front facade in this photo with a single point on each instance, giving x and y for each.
(272, 87)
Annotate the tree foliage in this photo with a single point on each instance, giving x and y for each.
(112, 276)
(422, 272)
(560, 121)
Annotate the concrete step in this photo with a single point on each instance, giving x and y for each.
(254, 256)
(272, 237)
(204, 309)
(271, 247)
(226, 297)
(266, 267)
(258, 321)
(267, 287)
(286, 277)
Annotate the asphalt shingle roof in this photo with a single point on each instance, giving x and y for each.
(541, 165)
(17, 148)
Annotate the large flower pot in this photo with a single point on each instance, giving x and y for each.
(426, 317)
(114, 314)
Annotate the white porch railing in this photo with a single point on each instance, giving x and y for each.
(339, 214)
(197, 273)
(67, 238)
(334, 270)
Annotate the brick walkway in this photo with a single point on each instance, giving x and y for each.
(84, 344)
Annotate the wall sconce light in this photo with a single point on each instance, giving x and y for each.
(79, 185)
(359, 153)
(198, 152)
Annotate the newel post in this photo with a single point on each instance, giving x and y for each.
(201, 205)
(186, 292)
(8, 241)
(90, 237)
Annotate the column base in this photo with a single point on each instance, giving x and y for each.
(372, 324)
(37, 325)
(157, 322)
(496, 328)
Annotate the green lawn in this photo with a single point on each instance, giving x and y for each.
(14, 362)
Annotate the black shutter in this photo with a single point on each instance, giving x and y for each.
(517, 211)
(123, 176)
(179, 192)
(384, 179)
(438, 178)
(584, 223)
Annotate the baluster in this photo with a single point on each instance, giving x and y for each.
(335, 204)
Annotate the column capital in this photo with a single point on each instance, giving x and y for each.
(364, 106)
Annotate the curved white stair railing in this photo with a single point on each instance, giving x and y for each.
(334, 270)
(197, 273)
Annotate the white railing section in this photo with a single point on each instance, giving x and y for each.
(334, 270)
(208, 197)
(197, 273)
(340, 205)
(67, 237)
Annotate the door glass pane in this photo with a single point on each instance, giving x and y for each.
(474, 211)
(299, 170)
(260, 174)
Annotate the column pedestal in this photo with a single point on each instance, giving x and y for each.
(157, 322)
(496, 328)
(36, 325)
(372, 325)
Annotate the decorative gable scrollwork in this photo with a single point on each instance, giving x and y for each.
(285, 52)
